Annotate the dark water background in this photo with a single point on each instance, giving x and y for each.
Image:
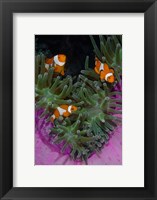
(75, 47)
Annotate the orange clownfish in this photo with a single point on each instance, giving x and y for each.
(57, 62)
(63, 110)
(105, 72)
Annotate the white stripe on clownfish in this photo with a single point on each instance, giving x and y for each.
(108, 75)
(53, 116)
(57, 62)
(69, 109)
(61, 110)
(101, 67)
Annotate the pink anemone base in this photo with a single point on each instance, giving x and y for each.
(47, 153)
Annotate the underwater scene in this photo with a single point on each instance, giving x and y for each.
(78, 99)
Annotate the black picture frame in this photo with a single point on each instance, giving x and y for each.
(7, 8)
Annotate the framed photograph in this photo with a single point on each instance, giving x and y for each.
(78, 99)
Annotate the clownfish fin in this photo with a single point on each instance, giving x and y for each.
(53, 117)
(112, 71)
(46, 66)
(106, 67)
(62, 73)
(96, 70)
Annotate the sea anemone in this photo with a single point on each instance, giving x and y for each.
(86, 131)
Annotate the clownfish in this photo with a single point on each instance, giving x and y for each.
(63, 110)
(57, 62)
(105, 72)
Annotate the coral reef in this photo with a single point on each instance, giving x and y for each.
(86, 131)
